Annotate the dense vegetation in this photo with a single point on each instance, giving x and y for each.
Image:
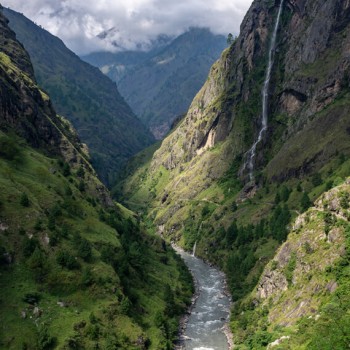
(77, 271)
(316, 270)
(74, 273)
(196, 189)
(282, 237)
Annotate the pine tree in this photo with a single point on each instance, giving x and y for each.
(305, 202)
(24, 200)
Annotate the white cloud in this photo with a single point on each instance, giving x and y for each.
(136, 22)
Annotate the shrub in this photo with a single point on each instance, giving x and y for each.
(37, 225)
(206, 211)
(68, 191)
(305, 202)
(87, 278)
(344, 200)
(80, 172)
(45, 340)
(39, 264)
(9, 148)
(289, 269)
(51, 223)
(316, 180)
(66, 170)
(84, 250)
(81, 186)
(54, 238)
(329, 185)
(285, 193)
(66, 260)
(83, 247)
(31, 298)
(125, 306)
(29, 246)
(24, 201)
(64, 231)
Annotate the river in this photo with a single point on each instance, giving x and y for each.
(210, 313)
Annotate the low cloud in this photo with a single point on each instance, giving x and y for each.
(135, 23)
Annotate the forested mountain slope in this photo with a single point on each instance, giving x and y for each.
(159, 85)
(77, 271)
(85, 96)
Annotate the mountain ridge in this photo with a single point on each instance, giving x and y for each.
(160, 84)
(77, 270)
(195, 187)
(85, 96)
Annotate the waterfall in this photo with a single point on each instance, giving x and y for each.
(195, 243)
(194, 249)
(265, 97)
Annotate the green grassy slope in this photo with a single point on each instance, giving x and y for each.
(77, 271)
(76, 274)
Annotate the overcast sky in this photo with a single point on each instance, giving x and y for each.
(78, 22)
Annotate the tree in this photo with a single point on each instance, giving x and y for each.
(65, 259)
(9, 148)
(232, 233)
(229, 39)
(66, 170)
(305, 202)
(45, 340)
(80, 172)
(316, 179)
(84, 249)
(81, 186)
(24, 200)
(277, 198)
(284, 192)
(170, 308)
(38, 264)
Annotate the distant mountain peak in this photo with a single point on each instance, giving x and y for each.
(117, 39)
(159, 84)
(89, 99)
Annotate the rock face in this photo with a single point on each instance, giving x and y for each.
(308, 111)
(24, 108)
(27, 110)
(297, 273)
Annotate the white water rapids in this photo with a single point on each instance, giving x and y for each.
(265, 97)
(205, 325)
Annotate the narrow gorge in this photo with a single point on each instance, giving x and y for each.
(252, 183)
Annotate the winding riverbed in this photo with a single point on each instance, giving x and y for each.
(210, 314)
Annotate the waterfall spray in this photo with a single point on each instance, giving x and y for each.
(265, 96)
(195, 243)
(194, 249)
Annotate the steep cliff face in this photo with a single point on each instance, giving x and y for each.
(197, 188)
(24, 107)
(307, 105)
(311, 69)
